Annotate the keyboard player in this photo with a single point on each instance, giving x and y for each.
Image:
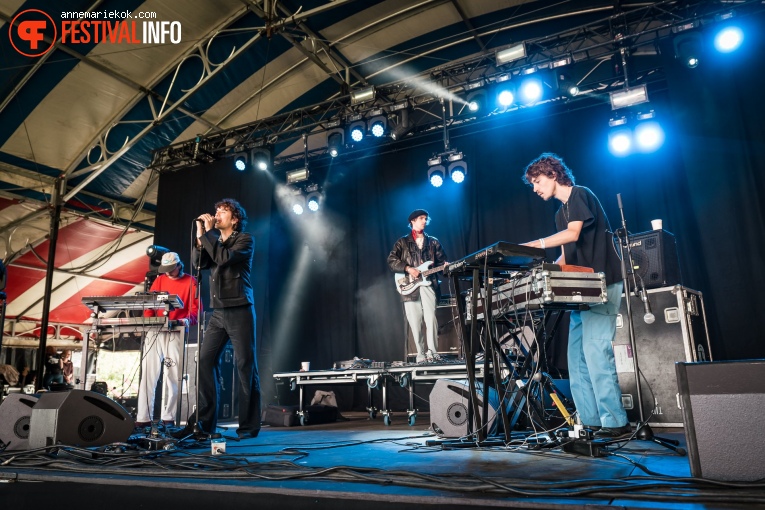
(584, 240)
(165, 347)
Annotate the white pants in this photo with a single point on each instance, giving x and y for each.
(162, 348)
(425, 308)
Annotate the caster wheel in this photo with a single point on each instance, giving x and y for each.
(304, 420)
(373, 414)
(386, 420)
(412, 419)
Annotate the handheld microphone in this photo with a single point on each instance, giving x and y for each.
(649, 316)
(200, 220)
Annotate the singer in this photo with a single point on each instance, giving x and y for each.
(226, 249)
(583, 234)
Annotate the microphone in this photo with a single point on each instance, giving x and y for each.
(649, 316)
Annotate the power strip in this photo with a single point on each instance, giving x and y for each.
(585, 447)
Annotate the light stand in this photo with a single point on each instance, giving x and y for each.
(644, 431)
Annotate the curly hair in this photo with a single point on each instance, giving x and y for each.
(237, 211)
(550, 165)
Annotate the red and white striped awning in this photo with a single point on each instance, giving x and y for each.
(93, 258)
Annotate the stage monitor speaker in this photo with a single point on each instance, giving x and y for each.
(723, 407)
(654, 255)
(449, 402)
(78, 418)
(15, 415)
(679, 333)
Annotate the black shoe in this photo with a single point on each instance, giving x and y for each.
(613, 432)
(593, 428)
(188, 432)
(246, 434)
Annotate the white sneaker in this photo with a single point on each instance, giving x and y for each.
(421, 358)
(433, 357)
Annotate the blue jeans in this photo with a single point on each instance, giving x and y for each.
(591, 366)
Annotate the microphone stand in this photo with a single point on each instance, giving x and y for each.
(198, 432)
(644, 431)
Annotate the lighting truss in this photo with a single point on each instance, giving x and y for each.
(633, 28)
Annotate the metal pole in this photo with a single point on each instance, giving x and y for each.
(55, 210)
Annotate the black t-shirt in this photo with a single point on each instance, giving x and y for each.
(595, 247)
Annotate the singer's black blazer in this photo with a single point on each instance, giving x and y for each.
(229, 263)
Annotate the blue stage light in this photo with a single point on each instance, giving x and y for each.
(649, 136)
(620, 142)
(505, 98)
(378, 129)
(531, 90)
(436, 175)
(240, 163)
(458, 175)
(357, 134)
(729, 39)
(297, 209)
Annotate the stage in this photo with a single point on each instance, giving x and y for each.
(361, 463)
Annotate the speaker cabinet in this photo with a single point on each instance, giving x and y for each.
(78, 418)
(449, 401)
(15, 416)
(679, 333)
(228, 398)
(723, 407)
(654, 256)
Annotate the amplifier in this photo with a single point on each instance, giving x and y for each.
(654, 257)
(679, 334)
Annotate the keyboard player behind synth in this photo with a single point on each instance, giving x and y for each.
(165, 347)
(583, 235)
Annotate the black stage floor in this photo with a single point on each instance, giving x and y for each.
(361, 463)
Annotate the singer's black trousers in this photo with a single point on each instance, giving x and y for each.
(238, 324)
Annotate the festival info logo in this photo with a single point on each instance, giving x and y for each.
(28, 32)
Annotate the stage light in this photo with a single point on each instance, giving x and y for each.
(335, 139)
(649, 136)
(298, 202)
(261, 158)
(458, 171)
(363, 95)
(620, 141)
(531, 90)
(357, 130)
(476, 100)
(688, 48)
(298, 175)
(377, 125)
(573, 90)
(628, 97)
(155, 252)
(240, 162)
(313, 201)
(436, 175)
(505, 96)
(728, 39)
(404, 126)
(511, 54)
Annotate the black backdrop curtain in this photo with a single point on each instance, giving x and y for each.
(324, 290)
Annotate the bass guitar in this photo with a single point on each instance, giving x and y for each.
(405, 284)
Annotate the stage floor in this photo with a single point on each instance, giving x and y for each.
(361, 463)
